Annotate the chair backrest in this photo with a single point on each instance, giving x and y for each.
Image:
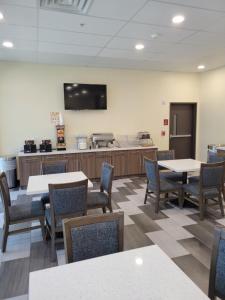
(212, 175)
(5, 195)
(152, 172)
(165, 155)
(68, 199)
(213, 157)
(92, 236)
(106, 178)
(217, 269)
(54, 167)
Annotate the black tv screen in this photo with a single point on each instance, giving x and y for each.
(79, 96)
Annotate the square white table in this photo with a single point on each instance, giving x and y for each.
(181, 165)
(39, 184)
(144, 273)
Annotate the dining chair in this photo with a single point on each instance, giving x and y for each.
(67, 200)
(209, 187)
(102, 199)
(158, 186)
(15, 213)
(52, 167)
(217, 268)
(93, 236)
(166, 174)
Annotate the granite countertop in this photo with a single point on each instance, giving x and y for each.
(72, 151)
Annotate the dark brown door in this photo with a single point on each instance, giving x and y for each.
(183, 129)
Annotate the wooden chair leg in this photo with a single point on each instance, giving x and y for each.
(104, 210)
(157, 203)
(5, 237)
(181, 199)
(221, 204)
(146, 195)
(43, 229)
(110, 208)
(201, 208)
(53, 250)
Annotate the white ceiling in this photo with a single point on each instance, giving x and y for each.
(110, 31)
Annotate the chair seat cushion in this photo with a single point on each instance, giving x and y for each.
(26, 210)
(193, 179)
(48, 218)
(167, 186)
(171, 176)
(193, 188)
(97, 199)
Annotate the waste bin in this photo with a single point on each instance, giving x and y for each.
(8, 165)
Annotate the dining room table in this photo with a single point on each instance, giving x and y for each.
(145, 273)
(39, 184)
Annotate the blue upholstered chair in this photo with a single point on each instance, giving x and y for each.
(157, 185)
(209, 186)
(165, 174)
(217, 269)
(102, 199)
(92, 236)
(52, 167)
(212, 157)
(66, 200)
(15, 213)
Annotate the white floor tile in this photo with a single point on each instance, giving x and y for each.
(168, 244)
(22, 297)
(178, 217)
(221, 221)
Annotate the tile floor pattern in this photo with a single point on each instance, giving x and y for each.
(180, 233)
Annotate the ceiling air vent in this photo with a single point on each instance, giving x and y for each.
(71, 6)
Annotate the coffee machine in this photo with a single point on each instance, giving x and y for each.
(144, 139)
(101, 140)
(46, 146)
(30, 146)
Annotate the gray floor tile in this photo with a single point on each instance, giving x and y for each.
(145, 223)
(201, 234)
(135, 238)
(149, 210)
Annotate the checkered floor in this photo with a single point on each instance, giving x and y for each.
(179, 233)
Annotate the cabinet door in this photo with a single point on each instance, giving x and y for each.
(133, 162)
(87, 164)
(119, 161)
(29, 166)
(100, 158)
(150, 153)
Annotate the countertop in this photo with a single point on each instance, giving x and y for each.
(73, 151)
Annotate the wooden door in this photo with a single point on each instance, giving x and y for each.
(119, 161)
(100, 158)
(87, 164)
(133, 162)
(183, 129)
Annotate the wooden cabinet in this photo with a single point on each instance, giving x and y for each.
(119, 161)
(29, 166)
(87, 164)
(133, 162)
(125, 162)
(100, 158)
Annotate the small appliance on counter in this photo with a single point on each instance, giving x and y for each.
(82, 142)
(46, 146)
(30, 146)
(60, 135)
(144, 139)
(214, 147)
(100, 140)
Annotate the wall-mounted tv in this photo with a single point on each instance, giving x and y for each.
(79, 96)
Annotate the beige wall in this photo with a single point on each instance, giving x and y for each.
(137, 100)
(212, 109)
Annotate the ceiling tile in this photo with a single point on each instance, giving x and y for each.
(218, 5)
(18, 55)
(19, 32)
(71, 22)
(29, 3)
(144, 31)
(67, 37)
(21, 45)
(64, 59)
(68, 49)
(161, 14)
(19, 15)
(207, 39)
(124, 9)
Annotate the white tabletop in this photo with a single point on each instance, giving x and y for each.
(145, 273)
(181, 165)
(39, 184)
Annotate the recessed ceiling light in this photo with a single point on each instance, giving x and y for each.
(139, 46)
(154, 35)
(7, 44)
(201, 67)
(1, 16)
(178, 19)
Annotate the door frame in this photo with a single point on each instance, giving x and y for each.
(194, 133)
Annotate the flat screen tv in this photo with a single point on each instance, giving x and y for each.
(79, 96)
